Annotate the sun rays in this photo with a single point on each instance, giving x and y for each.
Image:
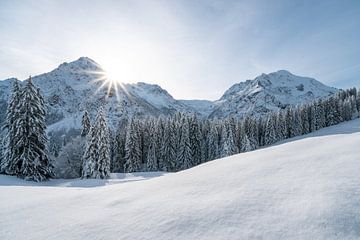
(110, 84)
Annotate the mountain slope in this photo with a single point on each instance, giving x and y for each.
(308, 188)
(77, 86)
(269, 92)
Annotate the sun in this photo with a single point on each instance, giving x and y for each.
(112, 75)
(110, 81)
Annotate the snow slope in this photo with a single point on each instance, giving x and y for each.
(307, 188)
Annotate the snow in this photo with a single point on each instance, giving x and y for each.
(115, 178)
(73, 87)
(303, 188)
(269, 92)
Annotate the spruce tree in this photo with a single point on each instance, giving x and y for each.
(305, 124)
(104, 150)
(132, 148)
(31, 140)
(289, 122)
(165, 148)
(96, 161)
(297, 126)
(250, 128)
(85, 123)
(228, 144)
(246, 144)
(213, 146)
(10, 164)
(195, 139)
(151, 161)
(281, 119)
(319, 115)
(270, 131)
(90, 155)
(173, 144)
(204, 140)
(119, 149)
(184, 158)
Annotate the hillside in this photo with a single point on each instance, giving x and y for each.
(306, 188)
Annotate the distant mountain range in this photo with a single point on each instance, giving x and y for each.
(72, 88)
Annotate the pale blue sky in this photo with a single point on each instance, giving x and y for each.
(193, 49)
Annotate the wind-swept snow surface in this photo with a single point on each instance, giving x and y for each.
(308, 188)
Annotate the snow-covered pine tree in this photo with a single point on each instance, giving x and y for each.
(270, 131)
(280, 125)
(237, 134)
(354, 111)
(104, 150)
(261, 129)
(167, 148)
(246, 144)
(90, 155)
(85, 123)
(159, 129)
(132, 148)
(297, 126)
(289, 122)
(195, 139)
(312, 117)
(233, 128)
(205, 130)
(304, 115)
(96, 161)
(10, 164)
(151, 161)
(173, 143)
(228, 147)
(213, 139)
(118, 162)
(346, 113)
(184, 158)
(31, 154)
(145, 132)
(250, 128)
(320, 119)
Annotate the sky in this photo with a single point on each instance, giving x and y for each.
(195, 49)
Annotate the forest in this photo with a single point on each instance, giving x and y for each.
(139, 144)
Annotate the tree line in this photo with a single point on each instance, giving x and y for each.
(150, 144)
(183, 141)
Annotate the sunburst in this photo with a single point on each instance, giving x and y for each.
(111, 84)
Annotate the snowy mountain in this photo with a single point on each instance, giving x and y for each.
(269, 92)
(76, 86)
(80, 85)
(297, 189)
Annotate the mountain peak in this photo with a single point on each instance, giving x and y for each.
(83, 63)
(283, 72)
(269, 92)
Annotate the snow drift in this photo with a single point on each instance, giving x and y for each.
(306, 188)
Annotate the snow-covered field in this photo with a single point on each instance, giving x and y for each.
(308, 188)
